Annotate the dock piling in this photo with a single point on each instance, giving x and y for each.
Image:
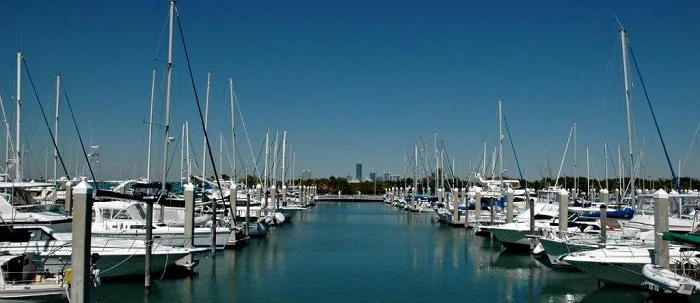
(660, 226)
(563, 213)
(80, 258)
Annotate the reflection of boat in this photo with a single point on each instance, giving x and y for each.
(613, 294)
(21, 280)
(510, 260)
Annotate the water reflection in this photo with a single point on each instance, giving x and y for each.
(360, 252)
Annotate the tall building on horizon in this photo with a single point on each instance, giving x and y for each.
(373, 176)
(387, 176)
(306, 174)
(358, 171)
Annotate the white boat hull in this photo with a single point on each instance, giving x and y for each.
(33, 293)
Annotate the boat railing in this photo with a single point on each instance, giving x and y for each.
(28, 277)
(119, 243)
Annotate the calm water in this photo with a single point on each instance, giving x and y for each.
(369, 252)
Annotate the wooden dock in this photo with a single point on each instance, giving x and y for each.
(350, 198)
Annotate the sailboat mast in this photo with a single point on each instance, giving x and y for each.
(442, 168)
(619, 163)
(605, 147)
(628, 103)
(274, 160)
(284, 157)
(588, 173)
(267, 156)
(415, 173)
(437, 166)
(484, 170)
(150, 126)
(206, 119)
(182, 156)
(169, 73)
(187, 150)
(55, 128)
(221, 150)
(575, 193)
(166, 141)
(233, 130)
(500, 143)
(18, 117)
(294, 161)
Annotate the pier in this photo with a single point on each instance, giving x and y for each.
(350, 198)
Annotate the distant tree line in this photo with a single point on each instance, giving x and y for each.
(333, 184)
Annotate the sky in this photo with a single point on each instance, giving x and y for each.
(357, 82)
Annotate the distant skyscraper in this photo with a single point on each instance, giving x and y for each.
(373, 176)
(358, 171)
(305, 174)
(387, 176)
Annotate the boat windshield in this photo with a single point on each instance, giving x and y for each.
(136, 211)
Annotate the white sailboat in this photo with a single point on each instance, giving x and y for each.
(127, 220)
(117, 257)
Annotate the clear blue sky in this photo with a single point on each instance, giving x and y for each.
(360, 81)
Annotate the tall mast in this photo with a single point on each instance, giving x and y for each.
(150, 127)
(187, 150)
(484, 170)
(221, 150)
(628, 103)
(284, 156)
(233, 130)
(442, 168)
(588, 173)
(267, 156)
(206, 118)
(575, 193)
(437, 165)
(415, 173)
(18, 117)
(605, 147)
(55, 127)
(500, 143)
(183, 179)
(166, 139)
(274, 161)
(294, 161)
(619, 163)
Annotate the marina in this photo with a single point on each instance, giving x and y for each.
(371, 252)
(214, 205)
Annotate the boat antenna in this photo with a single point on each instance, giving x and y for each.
(619, 23)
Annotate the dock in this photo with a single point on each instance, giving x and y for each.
(350, 198)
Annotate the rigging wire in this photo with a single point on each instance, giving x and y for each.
(43, 114)
(656, 123)
(196, 97)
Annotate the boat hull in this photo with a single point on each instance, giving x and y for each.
(33, 293)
